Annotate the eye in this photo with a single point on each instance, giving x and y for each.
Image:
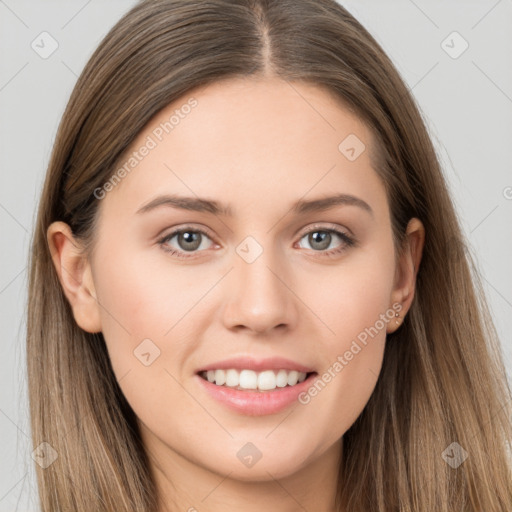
(188, 240)
(320, 238)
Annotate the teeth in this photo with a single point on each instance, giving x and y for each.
(219, 377)
(282, 378)
(292, 378)
(249, 379)
(232, 378)
(266, 380)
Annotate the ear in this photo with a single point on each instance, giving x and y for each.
(74, 272)
(407, 270)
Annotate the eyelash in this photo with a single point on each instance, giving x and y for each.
(348, 240)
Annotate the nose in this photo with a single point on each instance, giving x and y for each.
(260, 295)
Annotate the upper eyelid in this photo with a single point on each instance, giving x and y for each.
(329, 227)
(174, 231)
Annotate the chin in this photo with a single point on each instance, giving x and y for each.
(263, 466)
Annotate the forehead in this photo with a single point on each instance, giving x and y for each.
(249, 142)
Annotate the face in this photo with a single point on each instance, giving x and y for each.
(257, 284)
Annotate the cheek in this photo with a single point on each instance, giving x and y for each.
(139, 307)
(137, 303)
(356, 307)
(350, 297)
(142, 292)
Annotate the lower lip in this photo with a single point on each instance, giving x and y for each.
(256, 403)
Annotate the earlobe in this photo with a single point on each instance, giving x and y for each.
(409, 263)
(75, 276)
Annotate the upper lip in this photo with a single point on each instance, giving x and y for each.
(257, 365)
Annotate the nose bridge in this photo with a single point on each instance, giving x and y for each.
(260, 298)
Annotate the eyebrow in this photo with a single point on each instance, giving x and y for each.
(210, 206)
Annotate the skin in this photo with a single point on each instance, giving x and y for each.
(257, 145)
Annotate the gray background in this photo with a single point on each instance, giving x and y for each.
(466, 102)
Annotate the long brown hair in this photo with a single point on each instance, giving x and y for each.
(442, 380)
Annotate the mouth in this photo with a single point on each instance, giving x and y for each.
(254, 386)
(257, 392)
(256, 381)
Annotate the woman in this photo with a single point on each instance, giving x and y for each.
(190, 346)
